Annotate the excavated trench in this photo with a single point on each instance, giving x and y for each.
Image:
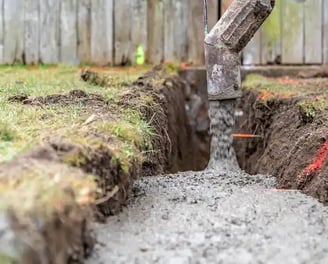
(222, 214)
(288, 144)
(214, 214)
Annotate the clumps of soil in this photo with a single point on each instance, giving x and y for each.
(161, 101)
(74, 96)
(91, 166)
(293, 128)
(44, 210)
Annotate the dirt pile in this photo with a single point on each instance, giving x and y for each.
(88, 167)
(291, 117)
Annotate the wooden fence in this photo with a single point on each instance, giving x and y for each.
(101, 31)
(107, 32)
(296, 33)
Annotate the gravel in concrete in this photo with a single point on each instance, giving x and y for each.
(214, 217)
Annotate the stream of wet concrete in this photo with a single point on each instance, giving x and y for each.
(220, 215)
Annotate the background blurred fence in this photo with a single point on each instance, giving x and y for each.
(108, 32)
(102, 31)
(296, 33)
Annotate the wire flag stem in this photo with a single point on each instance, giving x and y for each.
(205, 18)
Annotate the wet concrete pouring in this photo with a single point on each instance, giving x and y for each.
(220, 215)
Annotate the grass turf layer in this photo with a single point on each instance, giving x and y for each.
(68, 145)
(311, 94)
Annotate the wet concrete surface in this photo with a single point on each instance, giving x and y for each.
(214, 217)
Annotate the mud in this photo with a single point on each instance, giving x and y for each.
(214, 217)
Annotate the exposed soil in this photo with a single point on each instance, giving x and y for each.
(287, 110)
(293, 146)
(88, 151)
(234, 217)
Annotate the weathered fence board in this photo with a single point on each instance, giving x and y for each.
(68, 31)
(180, 30)
(196, 29)
(313, 34)
(84, 30)
(122, 31)
(292, 32)
(271, 37)
(102, 31)
(196, 33)
(108, 32)
(13, 31)
(213, 14)
(139, 26)
(252, 52)
(168, 30)
(325, 31)
(32, 32)
(1, 31)
(155, 48)
(49, 31)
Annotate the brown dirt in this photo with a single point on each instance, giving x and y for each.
(294, 144)
(74, 96)
(60, 234)
(66, 232)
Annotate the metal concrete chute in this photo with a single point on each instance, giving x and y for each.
(223, 45)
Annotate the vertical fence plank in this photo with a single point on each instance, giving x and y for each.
(102, 31)
(196, 29)
(49, 31)
(138, 26)
(271, 37)
(13, 31)
(252, 52)
(196, 33)
(168, 30)
(180, 30)
(325, 31)
(84, 31)
(155, 28)
(212, 13)
(313, 34)
(1, 30)
(122, 29)
(292, 32)
(32, 33)
(68, 32)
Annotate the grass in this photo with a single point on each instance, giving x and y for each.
(286, 87)
(6, 259)
(38, 186)
(112, 128)
(41, 81)
(22, 126)
(313, 93)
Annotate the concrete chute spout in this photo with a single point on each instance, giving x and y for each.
(225, 42)
(223, 45)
